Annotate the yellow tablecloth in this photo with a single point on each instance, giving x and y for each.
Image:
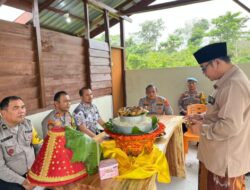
(143, 166)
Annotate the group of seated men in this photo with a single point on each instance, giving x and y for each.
(85, 117)
(17, 148)
(159, 105)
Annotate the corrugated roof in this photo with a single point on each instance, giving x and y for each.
(52, 16)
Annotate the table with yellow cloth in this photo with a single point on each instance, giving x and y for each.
(170, 144)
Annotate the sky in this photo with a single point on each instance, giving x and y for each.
(5, 13)
(177, 17)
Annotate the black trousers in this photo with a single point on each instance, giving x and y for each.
(10, 186)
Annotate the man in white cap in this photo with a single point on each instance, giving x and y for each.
(224, 150)
(191, 96)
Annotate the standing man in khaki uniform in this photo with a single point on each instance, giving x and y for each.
(16, 148)
(224, 150)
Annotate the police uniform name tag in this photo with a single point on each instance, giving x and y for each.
(6, 138)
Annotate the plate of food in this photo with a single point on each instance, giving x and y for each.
(132, 121)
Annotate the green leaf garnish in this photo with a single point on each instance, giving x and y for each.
(84, 148)
(155, 120)
(136, 131)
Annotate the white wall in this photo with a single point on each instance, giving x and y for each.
(171, 82)
(104, 105)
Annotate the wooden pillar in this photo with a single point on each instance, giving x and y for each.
(38, 48)
(106, 23)
(86, 42)
(122, 41)
(86, 19)
(107, 38)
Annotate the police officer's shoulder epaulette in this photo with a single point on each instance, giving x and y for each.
(26, 122)
(3, 125)
(161, 99)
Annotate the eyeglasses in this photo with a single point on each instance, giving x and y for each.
(204, 68)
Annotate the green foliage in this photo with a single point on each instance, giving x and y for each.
(173, 42)
(150, 32)
(198, 32)
(84, 149)
(228, 27)
(143, 51)
(109, 125)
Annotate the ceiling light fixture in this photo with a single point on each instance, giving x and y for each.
(67, 17)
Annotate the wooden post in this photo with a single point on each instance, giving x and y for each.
(36, 23)
(107, 38)
(106, 23)
(122, 41)
(86, 20)
(86, 42)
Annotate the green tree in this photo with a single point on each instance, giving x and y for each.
(174, 42)
(178, 49)
(150, 32)
(198, 32)
(230, 28)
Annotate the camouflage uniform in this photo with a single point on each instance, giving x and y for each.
(160, 106)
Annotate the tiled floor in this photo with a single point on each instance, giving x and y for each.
(191, 180)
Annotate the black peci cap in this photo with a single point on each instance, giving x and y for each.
(211, 52)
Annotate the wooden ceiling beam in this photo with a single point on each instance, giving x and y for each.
(111, 10)
(100, 18)
(19, 4)
(242, 5)
(45, 5)
(2, 2)
(141, 5)
(113, 21)
(161, 6)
